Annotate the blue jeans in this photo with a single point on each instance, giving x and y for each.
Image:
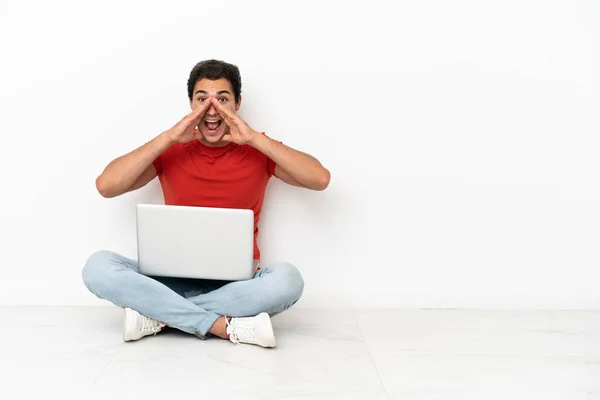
(191, 305)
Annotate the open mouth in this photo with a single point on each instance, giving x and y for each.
(211, 125)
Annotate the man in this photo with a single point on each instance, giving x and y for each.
(210, 158)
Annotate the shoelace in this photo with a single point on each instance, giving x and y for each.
(149, 324)
(242, 332)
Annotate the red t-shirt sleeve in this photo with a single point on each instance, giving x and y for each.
(271, 167)
(157, 165)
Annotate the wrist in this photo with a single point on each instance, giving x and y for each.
(260, 141)
(166, 138)
(253, 137)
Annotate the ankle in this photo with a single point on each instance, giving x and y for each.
(219, 328)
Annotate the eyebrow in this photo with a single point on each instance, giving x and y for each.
(219, 92)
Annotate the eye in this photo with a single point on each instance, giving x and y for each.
(223, 99)
(201, 99)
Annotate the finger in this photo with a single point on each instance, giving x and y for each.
(197, 114)
(223, 112)
(203, 109)
(228, 121)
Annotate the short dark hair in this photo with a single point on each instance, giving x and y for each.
(213, 70)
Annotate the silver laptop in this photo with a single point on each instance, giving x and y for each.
(195, 242)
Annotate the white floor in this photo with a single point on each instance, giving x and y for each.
(77, 352)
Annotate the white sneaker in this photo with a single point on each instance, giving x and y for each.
(252, 330)
(137, 326)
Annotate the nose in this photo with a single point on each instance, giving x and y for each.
(212, 110)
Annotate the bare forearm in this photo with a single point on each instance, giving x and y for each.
(302, 167)
(121, 173)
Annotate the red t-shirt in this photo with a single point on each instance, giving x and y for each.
(231, 176)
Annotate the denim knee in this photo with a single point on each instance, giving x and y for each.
(290, 282)
(96, 268)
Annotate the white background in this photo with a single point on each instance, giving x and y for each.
(462, 137)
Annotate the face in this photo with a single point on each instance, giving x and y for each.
(212, 126)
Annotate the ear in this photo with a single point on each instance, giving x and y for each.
(238, 104)
(191, 104)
